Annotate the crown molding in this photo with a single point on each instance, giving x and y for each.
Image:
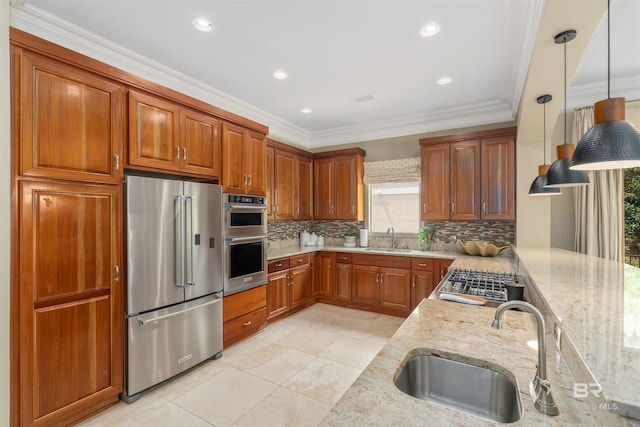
(588, 94)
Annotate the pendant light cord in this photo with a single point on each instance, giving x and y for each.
(565, 90)
(544, 135)
(608, 51)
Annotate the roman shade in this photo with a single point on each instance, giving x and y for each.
(399, 170)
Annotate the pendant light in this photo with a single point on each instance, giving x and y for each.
(612, 143)
(537, 187)
(559, 174)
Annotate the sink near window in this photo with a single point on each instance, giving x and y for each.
(473, 386)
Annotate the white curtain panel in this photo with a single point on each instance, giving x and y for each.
(399, 170)
(599, 206)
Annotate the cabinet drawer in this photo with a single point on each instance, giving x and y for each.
(424, 264)
(343, 258)
(295, 261)
(382, 260)
(249, 324)
(244, 302)
(279, 264)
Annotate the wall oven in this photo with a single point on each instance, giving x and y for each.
(245, 242)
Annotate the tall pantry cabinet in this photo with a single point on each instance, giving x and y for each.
(68, 138)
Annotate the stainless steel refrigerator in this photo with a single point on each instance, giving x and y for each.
(174, 279)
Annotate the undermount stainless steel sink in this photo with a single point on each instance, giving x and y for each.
(475, 390)
(388, 250)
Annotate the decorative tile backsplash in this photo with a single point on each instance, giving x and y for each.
(281, 234)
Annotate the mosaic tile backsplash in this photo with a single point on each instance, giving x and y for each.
(281, 234)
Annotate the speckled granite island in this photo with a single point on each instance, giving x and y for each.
(583, 295)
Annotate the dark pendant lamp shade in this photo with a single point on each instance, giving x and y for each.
(612, 143)
(560, 174)
(537, 187)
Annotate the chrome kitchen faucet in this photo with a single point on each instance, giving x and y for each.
(394, 242)
(539, 387)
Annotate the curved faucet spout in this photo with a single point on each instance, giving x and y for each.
(539, 387)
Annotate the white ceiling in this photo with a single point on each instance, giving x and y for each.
(333, 51)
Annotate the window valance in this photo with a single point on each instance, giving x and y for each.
(399, 170)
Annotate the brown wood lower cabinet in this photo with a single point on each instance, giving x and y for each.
(325, 275)
(422, 280)
(343, 277)
(381, 283)
(288, 286)
(244, 314)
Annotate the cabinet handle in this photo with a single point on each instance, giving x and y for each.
(249, 179)
(117, 159)
(278, 265)
(300, 260)
(116, 273)
(484, 206)
(297, 210)
(453, 208)
(245, 324)
(422, 265)
(184, 153)
(331, 210)
(424, 207)
(353, 209)
(178, 153)
(413, 283)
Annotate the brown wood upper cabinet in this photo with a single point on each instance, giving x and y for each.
(469, 177)
(339, 191)
(166, 137)
(71, 121)
(244, 160)
(291, 169)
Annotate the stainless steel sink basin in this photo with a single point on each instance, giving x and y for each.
(388, 250)
(475, 390)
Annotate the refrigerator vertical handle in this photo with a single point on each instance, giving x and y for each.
(188, 239)
(179, 240)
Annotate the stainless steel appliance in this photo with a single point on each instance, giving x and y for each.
(245, 242)
(489, 285)
(174, 279)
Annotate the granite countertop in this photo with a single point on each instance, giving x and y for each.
(464, 332)
(596, 304)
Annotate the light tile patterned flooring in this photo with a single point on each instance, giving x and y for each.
(290, 374)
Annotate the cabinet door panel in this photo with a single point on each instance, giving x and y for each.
(153, 129)
(324, 189)
(364, 284)
(300, 277)
(421, 287)
(201, 144)
(435, 183)
(277, 289)
(71, 301)
(345, 197)
(233, 174)
(324, 270)
(465, 181)
(343, 282)
(284, 185)
(255, 148)
(394, 289)
(71, 122)
(304, 188)
(498, 163)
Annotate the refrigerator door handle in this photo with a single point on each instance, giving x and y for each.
(166, 316)
(188, 240)
(179, 241)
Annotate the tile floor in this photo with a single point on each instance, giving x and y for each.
(290, 374)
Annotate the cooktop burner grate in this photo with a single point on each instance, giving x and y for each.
(486, 284)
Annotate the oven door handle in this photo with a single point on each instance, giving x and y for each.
(244, 239)
(252, 207)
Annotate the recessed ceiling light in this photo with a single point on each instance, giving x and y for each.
(280, 75)
(306, 110)
(202, 24)
(444, 80)
(429, 30)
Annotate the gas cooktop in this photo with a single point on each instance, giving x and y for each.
(485, 284)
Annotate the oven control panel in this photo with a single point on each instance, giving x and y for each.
(245, 200)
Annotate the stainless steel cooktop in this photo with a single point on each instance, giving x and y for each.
(485, 284)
